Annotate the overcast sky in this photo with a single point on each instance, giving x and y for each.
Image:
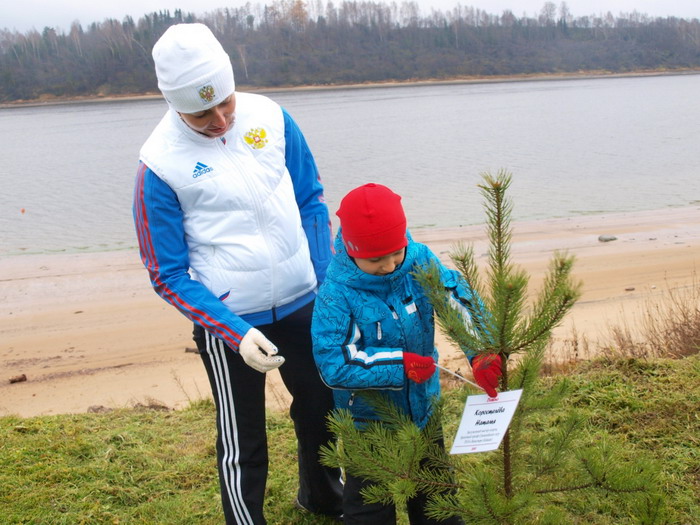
(23, 15)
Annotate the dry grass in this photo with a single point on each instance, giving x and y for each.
(673, 326)
(562, 357)
(668, 326)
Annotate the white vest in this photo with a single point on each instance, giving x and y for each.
(241, 220)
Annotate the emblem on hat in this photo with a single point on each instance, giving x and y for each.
(351, 246)
(206, 93)
(256, 138)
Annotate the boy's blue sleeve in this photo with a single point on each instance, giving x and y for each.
(341, 358)
(164, 252)
(308, 191)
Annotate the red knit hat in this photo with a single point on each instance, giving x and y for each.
(372, 222)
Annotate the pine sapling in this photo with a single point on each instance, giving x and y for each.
(546, 453)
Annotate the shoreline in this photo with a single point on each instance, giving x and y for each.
(87, 329)
(475, 79)
(416, 230)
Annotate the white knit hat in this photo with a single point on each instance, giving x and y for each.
(194, 72)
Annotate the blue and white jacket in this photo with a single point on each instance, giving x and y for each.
(234, 231)
(363, 323)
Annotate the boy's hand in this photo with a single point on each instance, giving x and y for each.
(487, 369)
(418, 368)
(258, 352)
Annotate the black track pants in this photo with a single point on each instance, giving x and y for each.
(241, 447)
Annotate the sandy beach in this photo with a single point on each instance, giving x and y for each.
(87, 330)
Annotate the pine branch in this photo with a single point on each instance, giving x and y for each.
(650, 509)
(360, 452)
(611, 473)
(559, 294)
(465, 263)
(498, 212)
(548, 458)
(395, 454)
(449, 320)
(509, 297)
(527, 372)
(572, 488)
(507, 287)
(541, 327)
(547, 401)
(482, 502)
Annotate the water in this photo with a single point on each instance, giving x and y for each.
(574, 147)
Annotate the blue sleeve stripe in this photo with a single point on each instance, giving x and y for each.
(150, 261)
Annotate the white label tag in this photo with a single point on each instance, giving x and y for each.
(485, 421)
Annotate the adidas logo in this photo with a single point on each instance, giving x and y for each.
(200, 169)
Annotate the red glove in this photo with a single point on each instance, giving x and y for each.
(487, 369)
(418, 368)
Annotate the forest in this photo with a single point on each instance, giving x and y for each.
(292, 43)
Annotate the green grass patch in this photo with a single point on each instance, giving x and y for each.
(144, 466)
(652, 407)
(131, 466)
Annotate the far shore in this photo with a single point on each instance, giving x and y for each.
(49, 100)
(87, 332)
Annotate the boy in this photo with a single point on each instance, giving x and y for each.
(373, 328)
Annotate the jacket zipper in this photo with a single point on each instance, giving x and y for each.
(255, 198)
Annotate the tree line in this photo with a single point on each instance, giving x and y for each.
(293, 42)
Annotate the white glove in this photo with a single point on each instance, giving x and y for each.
(258, 352)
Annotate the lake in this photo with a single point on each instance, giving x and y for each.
(574, 147)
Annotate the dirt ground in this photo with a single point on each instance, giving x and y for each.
(86, 330)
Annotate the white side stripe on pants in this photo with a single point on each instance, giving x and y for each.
(231, 472)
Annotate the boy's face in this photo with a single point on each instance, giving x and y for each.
(383, 265)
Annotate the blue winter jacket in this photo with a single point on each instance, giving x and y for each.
(363, 323)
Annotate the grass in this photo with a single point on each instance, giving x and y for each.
(652, 407)
(145, 466)
(129, 466)
(669, 325)
(150, 465)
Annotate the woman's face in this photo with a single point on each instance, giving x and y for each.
(213, 122)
